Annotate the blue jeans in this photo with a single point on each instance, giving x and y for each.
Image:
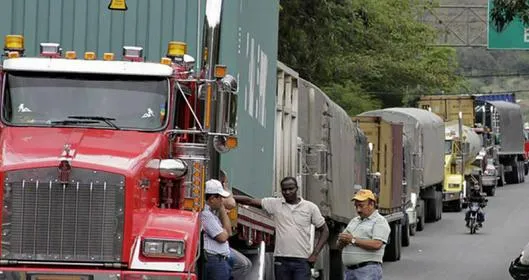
(240, 265)
(368, 272)
(217, 268)
(291, 268)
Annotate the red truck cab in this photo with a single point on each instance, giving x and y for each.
(104, 161)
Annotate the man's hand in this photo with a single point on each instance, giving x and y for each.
(345, 239)
(313, 258)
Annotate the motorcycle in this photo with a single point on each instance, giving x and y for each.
(474, 208)
(473, 223)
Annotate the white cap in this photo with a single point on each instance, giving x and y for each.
(215, 187)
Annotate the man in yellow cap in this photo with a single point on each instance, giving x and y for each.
(364, 239)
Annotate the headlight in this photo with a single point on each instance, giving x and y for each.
(163, 248)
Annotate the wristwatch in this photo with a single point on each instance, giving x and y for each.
(353, 241)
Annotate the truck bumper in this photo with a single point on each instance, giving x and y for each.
(19, 273)
(451, 196)
(488, 180)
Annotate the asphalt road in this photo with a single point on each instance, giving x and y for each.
(446, 250)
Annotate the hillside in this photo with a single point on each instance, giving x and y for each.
(488, 70)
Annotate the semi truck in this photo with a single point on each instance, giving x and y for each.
(499, 122)
(104, 160)
(462, 146)
(423, 160)
(386, 166)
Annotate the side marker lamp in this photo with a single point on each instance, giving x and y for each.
(13, 54)
(90, 55)
(70, 55)
(108, 56)
(165, 61)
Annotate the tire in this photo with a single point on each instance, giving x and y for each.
(420, 219)
(491, 190)
(413, 229)
(337, 268)
(472, 227)
(439, 205)
(526, 169)
(405, 230)
(458, 205)
(431, 210)
(393, 248)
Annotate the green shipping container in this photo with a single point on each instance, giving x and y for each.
(248, 48)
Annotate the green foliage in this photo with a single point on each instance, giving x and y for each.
(505, 11)
(366, 54)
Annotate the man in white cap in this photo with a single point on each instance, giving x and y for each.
(217, 230)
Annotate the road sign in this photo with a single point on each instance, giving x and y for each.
(515, 36)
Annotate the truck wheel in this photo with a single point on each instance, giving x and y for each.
(439, 205)
(431, 210)
(393, 248)
(490, 190)
(336, 270)
(457, 205)
(413, 229)
(405, 233)
(420, 218)
(526, 169)
(522, 172)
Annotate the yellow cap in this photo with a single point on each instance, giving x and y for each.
(175, 48)
(70, 55)
(165, 60)
(89, 55)
(220, 71)
(108, 56)
(363, 195)
(14, 42)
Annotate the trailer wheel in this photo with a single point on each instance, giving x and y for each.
(420, 218)
(522, 172)
(405, 232)
(490, 190)
(393, 248)
(337, 268)
(413, 229)
(439, 204)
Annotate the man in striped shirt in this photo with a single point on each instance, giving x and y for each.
(217, 230)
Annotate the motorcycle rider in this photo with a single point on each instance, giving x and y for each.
(475, 196)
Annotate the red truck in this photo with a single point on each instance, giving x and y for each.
(104, 161)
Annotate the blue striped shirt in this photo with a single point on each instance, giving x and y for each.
(212, 227)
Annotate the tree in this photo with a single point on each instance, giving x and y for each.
(505, 11)
(365, 53)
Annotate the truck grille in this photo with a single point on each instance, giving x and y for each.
(46, 220)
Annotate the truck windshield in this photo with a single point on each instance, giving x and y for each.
(93, 100)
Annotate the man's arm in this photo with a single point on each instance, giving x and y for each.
(212, 227)
(323, 235)
(225, 220)
(248, 201)
(229, 202)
